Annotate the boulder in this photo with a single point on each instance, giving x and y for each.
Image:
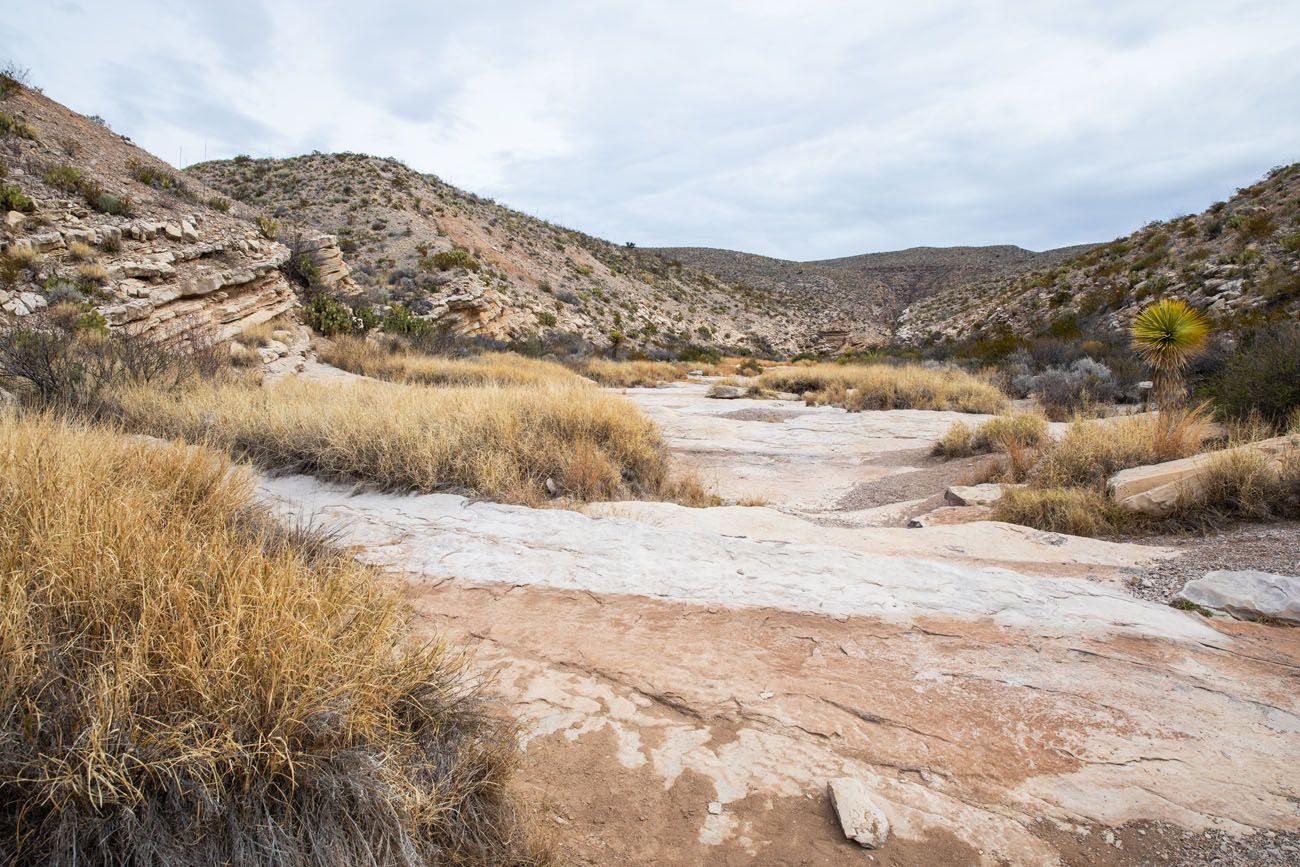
(47, 241)
(14, 219)
(974, 495)
(726, 392)
(1247, 594)
(860, 817)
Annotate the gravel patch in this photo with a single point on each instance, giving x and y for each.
(1267, 547)
(759, 414)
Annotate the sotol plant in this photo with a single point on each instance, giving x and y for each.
(1167, 335)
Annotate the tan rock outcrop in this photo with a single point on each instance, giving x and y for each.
(1157, 489)
(324, 253)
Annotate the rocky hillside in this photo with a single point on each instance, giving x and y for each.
(93, 221)
(854, 300)
(1239, 261)
(491, 270)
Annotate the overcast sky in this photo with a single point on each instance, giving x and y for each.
(795, 129)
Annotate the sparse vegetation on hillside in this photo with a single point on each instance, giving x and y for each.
(412, 240)
(1238, 263)
(188, 684)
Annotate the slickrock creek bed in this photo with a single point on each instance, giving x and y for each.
(1003, 694)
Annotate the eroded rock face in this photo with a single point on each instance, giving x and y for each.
(1248, 594)
(324, 253)
(469, 308)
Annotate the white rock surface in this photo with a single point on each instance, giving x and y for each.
(1247, 594)
(445, 535)
(861, 818)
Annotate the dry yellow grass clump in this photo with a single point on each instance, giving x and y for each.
(883, 386)
(186, 684)
(1018, 430)
(634, 374)
(495, 441)
(1092, 451)
(397, 364)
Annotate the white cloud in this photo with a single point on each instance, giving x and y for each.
(802, 130)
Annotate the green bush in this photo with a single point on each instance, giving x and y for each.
(10, 125)
(546, 320)
(1262, 377)
(217, 203)
(457, 257)
(160, 180)
(300, 267)
(268, 227)
(328, 316)
(400, 320)
(66, 178)
(14, 199)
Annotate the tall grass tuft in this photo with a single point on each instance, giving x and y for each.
(501, 442)
(390, 361)
(187, 684)
(882, 386)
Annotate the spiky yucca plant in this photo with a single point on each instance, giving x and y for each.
(1168, 335)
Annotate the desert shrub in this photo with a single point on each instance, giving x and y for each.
(457, 257)
(186, 683)
(302, 270)
(268, 227)
(13, 78)
(159, 179)
(1262, 376)
(101, 200)
(1065, 391)
(63, 177)
(64, 357)
(882, 386)
(12, 198)
(546, 319)
(10, 125)
(328, 315)
(1077, 511)
(401, 320)
(219, 203)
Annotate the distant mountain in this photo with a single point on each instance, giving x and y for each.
(857, 298)
(1238, 260)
